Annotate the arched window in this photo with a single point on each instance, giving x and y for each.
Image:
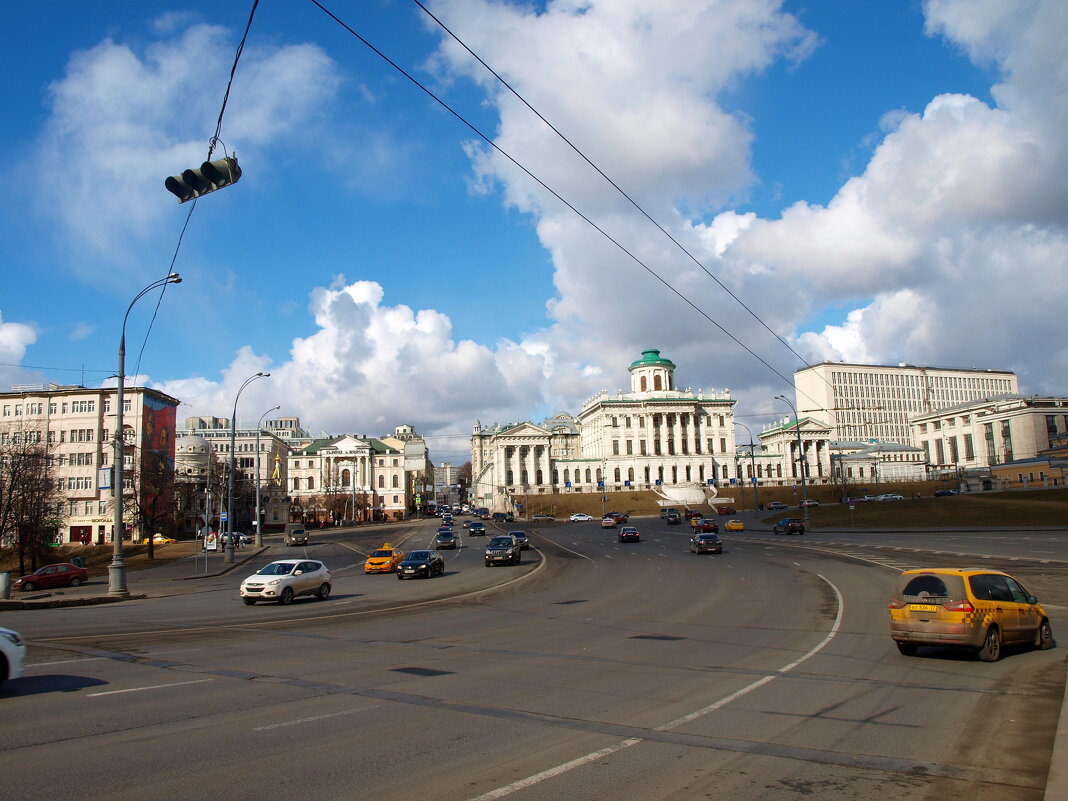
(509, 477)
(556, 476)
(567, 476)
(687, 472)
(381, 482)
(588, 480)
(311, 483)
(630, 474)
(537, 477)
(647, 474)
(345, 477)
(396, 481)
(599, 476)
(296, 484)
(617, 475)
(657, 384)
(674, 475)
(644, 384)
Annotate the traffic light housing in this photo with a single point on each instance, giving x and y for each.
(212, 175)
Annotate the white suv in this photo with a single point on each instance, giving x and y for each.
(12, 654)
(285, 579)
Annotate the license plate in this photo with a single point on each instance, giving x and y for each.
(923, 608)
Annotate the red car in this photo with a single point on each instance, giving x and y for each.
(705, 525)
(690, 514)
(726, 510)
(619, 517)
(62, 575)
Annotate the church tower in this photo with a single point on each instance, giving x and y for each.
(652, 373)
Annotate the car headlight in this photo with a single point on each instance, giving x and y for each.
(272, 583)
(14, 637)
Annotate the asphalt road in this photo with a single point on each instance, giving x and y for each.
(594, 670)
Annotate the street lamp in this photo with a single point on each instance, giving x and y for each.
(752, 467)
(800, 458)
(259, 425)
(233, 467)
(117, 568)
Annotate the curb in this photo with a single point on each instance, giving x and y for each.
(55, 603)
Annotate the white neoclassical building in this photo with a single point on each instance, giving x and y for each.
(655, 434)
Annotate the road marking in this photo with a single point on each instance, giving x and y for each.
(153, 687)
(508, 789)
(311, 719)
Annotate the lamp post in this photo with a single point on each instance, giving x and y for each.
(117, 568)
(259, 424)
(800, 458)
(752, 466)
(233, 466)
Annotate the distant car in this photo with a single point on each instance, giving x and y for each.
(477, 528)
(776, 506)
(295, 534)
(690, 514)
(522, 538)
(245, 539)
(944, 493)
(59, 575)
(445, 539)
(159, 539)
(285, 580)
(580, 517)
(467, 524)
(608, 522)
(544, 518)
(503, 549)
(446, 522)
(890, 496)
(668, 510)
(503, 517)
(421, 564)
(442, 529)
(734, 525)
(629, 534)
(704, 525)
(975, 608)
(674, 520)
(789, 525)
(705, 543)
(384, 560)
(808, 503)
(726, 510)
(12, 654)
(620, 517)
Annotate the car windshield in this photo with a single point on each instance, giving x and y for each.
(501, 542)
(417, 556)
(445, 535)
(277, 569)
(707, 537)
(382, 552)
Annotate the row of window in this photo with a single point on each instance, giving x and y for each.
(667, 419)
(34, 409)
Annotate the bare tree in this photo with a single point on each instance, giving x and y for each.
(29, 497)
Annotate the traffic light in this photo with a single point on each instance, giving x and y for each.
(212, 175)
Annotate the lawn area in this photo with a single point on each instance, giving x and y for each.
(98, 557)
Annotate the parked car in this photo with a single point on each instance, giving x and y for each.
(383, 560)
(969, 608)
(726, 510)
(12, 654)
(705, 543)
(944, 493)
(295, 534)
(608, 522)
(789, 525)
(445, 539)
(668, 510)
(544, 518)
(674, 520)
(522, 538)
(580, 517)
(704, 524)
(890, 496)
(776, 506)
(502, 549)
(477, 528)
(734, 525)
(58, 575)
(285, 580)
(421, 564)
(629, 534)
(808, 503)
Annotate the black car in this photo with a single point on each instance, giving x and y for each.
(706, 543)
(522, 538)
(477, 528)
(421, 564)
(445, 539)
(789, 525)
(944, 493)
(503, 517)
(503, 548)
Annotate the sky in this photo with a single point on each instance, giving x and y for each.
(750, 186)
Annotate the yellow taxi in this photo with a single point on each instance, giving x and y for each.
(965, 607)
(734, 525)
(384, 560)
(159, 539)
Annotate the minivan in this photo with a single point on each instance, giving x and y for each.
(295, 534)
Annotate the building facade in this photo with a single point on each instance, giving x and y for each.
(656, 434)
(877, 402)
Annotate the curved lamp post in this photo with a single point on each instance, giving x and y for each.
(117, 568)
(800, 457)
(230, 497)
(752, 467)
(259, 425)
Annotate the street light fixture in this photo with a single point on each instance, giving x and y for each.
(117, 568)
(752, 467)
(259, 524)
(233, 466)
(800, 459)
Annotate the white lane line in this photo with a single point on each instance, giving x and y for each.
(508, 789)
(153, 687)
(311, 719)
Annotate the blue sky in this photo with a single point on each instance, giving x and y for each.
(878, 181)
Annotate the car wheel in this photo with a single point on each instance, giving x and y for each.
(991, 650)
(29, 586)
(907, 648)
(1044, 636)
(249, 601)
(287, 596)
(324, 590)
(75, 582)
(399, 577)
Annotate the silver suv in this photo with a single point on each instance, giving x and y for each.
(503, 549)
(286, 579)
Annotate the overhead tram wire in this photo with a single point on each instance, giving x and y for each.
(211, 149)
(548, 189)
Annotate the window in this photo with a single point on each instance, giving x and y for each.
(615, 447)
(657, 384)
(630, 447)
(643, 386)
(311, 483)
(382, 482)
(723, 444)
(396, 481)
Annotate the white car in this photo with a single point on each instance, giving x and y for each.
(286, 579)
(890, 496)
(580, 517)
(12, 654)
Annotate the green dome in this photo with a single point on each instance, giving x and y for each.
(652, 358)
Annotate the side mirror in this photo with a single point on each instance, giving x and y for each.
(1031, 599)
(297, 572)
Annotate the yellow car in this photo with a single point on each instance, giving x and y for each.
(734, 525)
(968, 608)
(159, 539)
(384, 560)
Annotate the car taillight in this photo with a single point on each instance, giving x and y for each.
(897, 603)
(959, 606)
